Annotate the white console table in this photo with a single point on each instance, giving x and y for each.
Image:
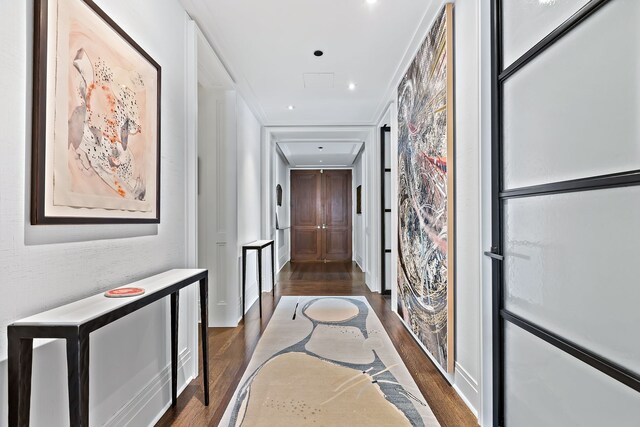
(74, 322)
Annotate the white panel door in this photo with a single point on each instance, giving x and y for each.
(217, 203)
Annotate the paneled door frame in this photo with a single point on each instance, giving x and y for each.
(500, 315)
(312, 227)
(329, 226)
(323, 225)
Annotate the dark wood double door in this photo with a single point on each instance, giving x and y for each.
(321, 215)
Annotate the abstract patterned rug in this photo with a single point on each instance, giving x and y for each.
(326, 361)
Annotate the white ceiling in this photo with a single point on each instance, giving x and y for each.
(332, 154)
(340, 145)
(267, 47)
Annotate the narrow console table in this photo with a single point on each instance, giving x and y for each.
(74, 322)
(258, 245)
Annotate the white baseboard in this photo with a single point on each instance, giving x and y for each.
(467, 388)
(359, 263)
(252, 294)
(282, 261)
(128, 413)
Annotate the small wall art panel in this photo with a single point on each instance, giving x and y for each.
(526, 22)
(546, 387)
(571, 266)
(425, 193)
(573, 112)
(96, 122)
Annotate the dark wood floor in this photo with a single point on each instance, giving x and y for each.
(230, 349)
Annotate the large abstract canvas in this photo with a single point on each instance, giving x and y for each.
(425, 193)
(96, 119)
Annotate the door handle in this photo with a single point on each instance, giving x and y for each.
(493, 255)
(324, 226)
(318, 227)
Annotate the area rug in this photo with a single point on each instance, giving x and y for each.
(326, 361)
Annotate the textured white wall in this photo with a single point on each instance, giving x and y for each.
(46, 266)
(468, 253)
(249, 198)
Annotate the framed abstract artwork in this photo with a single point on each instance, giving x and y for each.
(426, 193)
(96, 120)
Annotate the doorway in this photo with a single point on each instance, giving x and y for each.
(321, 216)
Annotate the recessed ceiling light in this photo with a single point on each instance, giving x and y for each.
(372, 1)
(291, 107)
(352, 86)
(318, 53)
(320, 161)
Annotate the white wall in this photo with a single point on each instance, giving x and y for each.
(283, 237)
(249, 198)
(46, 266)
(468, 249)
(358, 219)
(484, 40)
(218, 202)
(371, 209)
(468, 281)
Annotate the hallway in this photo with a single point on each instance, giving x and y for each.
(231, 348)
(445, 190)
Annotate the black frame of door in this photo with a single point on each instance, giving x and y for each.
(498, 196)
(384, 289)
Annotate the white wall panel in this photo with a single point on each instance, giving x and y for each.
(547, 387)
(387, 150)
(249, 198)
(388, 201)
(387, 231)
(387, 270)
(526, 22)
(573, 111)
(571, 266)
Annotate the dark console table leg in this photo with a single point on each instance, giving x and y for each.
(175, 306)
(273, 269)
(204, 323)
(260, 280)
(244, 278)
(78, 379)
(19, 360)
